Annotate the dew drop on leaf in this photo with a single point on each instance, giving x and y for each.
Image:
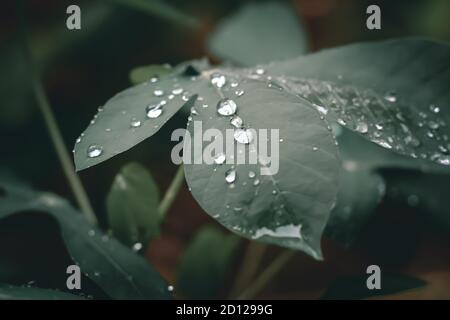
(153, 111)
(244, 136)
(158, 93)
(251, 174)
(94, 151)
(218, 80)
(219, 159)
(236, 122)
(135, 123)
(226, 107)
(230, 176)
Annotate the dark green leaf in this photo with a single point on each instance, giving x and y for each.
(394, 93)
(289, 208)
(117, 270)
(259, 33)
(205, 263)
(355, 287)
(132, 205)
(8, 292)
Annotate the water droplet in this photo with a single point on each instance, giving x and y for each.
(390, 97)
(260, 71)
(94, 151)
(256, 182)
(383, 143)
(170, 288)
(137, 246)
(226, 107)
(413, 141)
(97, 274)
(91, 233)
(251, 174)
(218, 80)
(78, 140)
(281, 140)
(135, 123)
(153, 111)
(379, 126)
(445, 160)
(154, 79)
(321, 109)
(434, 108)
(205, 106)
(234, 84)
(219, 158)
(244, 136)
(239, 92)
(433, 125)
(194, 112)
(236, 122)
(230, 176)
(315, 148)
(341, 121)
(177, 91)
(362, 127)
(274, 192)
(158, 93)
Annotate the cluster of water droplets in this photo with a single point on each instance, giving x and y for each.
(385, 119)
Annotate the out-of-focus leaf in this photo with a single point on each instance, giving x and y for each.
(158, 8)
(146, 73)
(114, 268)
(360, 192)
(355, 287)
(8, 292)
(132, 205)
(204, 264)
(426, 192)
(259, 33)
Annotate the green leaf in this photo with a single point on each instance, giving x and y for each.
(132, 205)
(145, 73)
(118, 271)
(289, 208)
(393, 93)
(159, 8)
(359, 194)
(8, 292)
(259, 33)
(355, 287)
(424, 192)
(205, 263)
(123, 121)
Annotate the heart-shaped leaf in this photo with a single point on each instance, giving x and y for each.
(132, 206)
(117, 270)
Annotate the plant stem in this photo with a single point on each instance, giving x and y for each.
(249, 267)
(172, 191)
(268, 274)
(53, 129)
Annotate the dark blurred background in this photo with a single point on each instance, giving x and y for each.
(82, 69)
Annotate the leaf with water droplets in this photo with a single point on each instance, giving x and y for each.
(394, 93)
(238, 37)
(119, 272)
(290, 207)
(132, 205)
(205, 262)
(132, 116)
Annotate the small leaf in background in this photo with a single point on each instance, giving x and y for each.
(132, 206)
(146, 73)
(355, 287)
(118, 271)
(205, 262)
(259, 33)
(359, 194)
(8, 292)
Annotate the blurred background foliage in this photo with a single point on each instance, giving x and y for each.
(82, 69)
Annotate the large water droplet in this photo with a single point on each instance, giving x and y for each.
(158, 93)
(391, 97)
(434, 108)
(236, 122)
(244, 136)
(218, 80)
(153, 111)
(226, 107)
(219, 159)
(135, 123)
(230, 176)
(251, 174)
(137, 246)
(256, 182)
(260, 71)
(362, 127)
(94, 151)
(177, 91)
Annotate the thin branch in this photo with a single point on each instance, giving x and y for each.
(172, 191)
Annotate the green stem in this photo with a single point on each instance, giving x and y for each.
(267, 275)
(53, 129)
(249, 267)
(172, 191)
